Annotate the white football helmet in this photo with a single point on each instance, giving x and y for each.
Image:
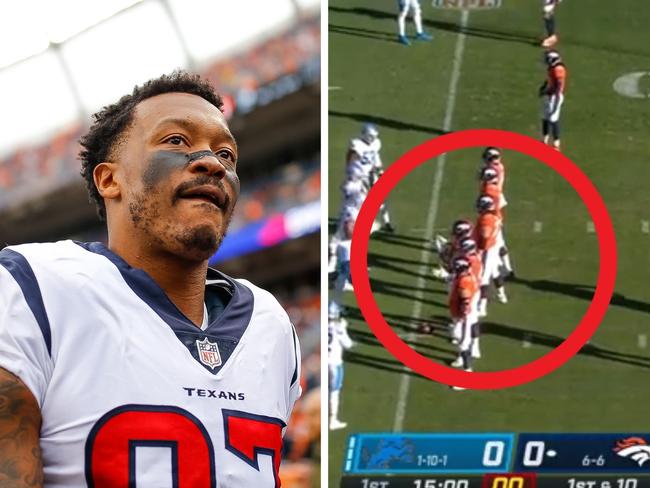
(485, 203)
(333, 311)
(491, 154)
(468, 245)
(552, 58)
(461, 265)
(369, 133)
(461, 228)
(489, 174)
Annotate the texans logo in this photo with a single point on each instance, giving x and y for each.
(634, 448)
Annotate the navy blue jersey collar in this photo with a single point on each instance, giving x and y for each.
(230, 323)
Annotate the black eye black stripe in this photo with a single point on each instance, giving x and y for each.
(198, 155)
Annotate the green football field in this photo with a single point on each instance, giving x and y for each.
(483, 70)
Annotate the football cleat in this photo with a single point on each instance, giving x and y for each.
(501, 295)
(485, 203)
(369, 133)
(550, 41)
(457, 363)
(461, 228)
(403, 40)
(423, 36)
(388, 227)
(336, 424)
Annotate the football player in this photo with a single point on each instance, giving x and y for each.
(136, 349)
(343, 281)
(548, 7)
(491, 157)
(491, 186)
(488, 227)
(354, 191)
(447, 250)
(552, 92)
(468, 250)
(363, 158)
(404, 7)
(463, 297)
(338, 341)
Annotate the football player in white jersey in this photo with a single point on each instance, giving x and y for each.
(134, 364)
(343, 280)
(338, 341)
(354, 191)
(548, 8)
(404, 7)
(363, 157)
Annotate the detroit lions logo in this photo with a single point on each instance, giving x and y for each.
(634, 448)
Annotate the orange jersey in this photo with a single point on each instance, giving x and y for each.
(556, 82)
(491, 188)
(488, 226)
(463, 289)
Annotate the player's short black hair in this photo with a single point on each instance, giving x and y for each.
(111, 122)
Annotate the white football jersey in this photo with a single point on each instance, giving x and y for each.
(344, 250)
(367, 155)
(339, 340)
(354, 193)
(131, 392)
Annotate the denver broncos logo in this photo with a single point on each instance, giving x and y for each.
(634, 448)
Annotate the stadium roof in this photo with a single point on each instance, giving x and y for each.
(65, 59)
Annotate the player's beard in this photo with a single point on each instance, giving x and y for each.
(193, 243)
(203, 239)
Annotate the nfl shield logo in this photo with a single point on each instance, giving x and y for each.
(209, 353)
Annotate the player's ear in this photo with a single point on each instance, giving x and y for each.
(105, 181)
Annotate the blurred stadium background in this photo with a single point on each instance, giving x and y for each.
(64, 60)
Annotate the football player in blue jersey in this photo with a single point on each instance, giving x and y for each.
(137, 347)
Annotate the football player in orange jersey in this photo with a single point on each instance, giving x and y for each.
(469, 251)
(552, 92)
(548, 7)
(446, 250)
(492, 157)
(488, 227)
(463, 295)
(489, 185)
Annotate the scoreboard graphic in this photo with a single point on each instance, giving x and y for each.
(497, 460)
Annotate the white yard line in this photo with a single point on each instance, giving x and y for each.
(335, 88)
(405, 381)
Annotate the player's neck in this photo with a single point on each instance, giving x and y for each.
(182, 281)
